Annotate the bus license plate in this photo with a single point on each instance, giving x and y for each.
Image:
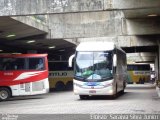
(92, 91)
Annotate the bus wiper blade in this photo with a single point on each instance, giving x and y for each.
(79, 77)
(104, 78)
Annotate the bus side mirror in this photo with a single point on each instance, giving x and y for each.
(114, 60)
(70, 60)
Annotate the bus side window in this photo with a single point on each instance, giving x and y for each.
(6, 66)
(40, 65)
(9, 66)
(36, 63)
(19, 64)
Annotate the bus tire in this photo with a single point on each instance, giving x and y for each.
(69, 85)
(60, 86)
(5, 93)
(83, 97)
(140, 80)
(130, 82)
(143, 80)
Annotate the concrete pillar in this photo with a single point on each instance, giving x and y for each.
(158, 74)
(158, 56)
(156, 65)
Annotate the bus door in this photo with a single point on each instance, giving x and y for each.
(34, 74)
(24, 89)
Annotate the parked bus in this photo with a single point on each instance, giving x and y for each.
(60, 76)
(138, 73)
(23, 74)
(99, 69)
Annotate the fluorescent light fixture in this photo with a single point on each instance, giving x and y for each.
(10, 35)
(51, 47)
(1, 50)
(152, 15)
(31, 41)
(16, 53)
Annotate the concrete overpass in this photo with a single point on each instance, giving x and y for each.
(32, 7)
(133, 24)
(91, 18)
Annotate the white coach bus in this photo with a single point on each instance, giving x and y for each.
(100, 68)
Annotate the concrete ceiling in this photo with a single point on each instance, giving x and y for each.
(141, 13)
(142, 54)
(141, 57)
(25, 32)
(10, 26)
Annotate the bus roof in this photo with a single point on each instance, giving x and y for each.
(23, 55)
(95, 46)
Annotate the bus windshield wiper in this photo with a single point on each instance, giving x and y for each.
(79, 77)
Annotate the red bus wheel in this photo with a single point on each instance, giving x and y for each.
(5, 94)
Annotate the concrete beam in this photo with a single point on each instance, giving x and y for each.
(74, 41)
(96, 24)
(135, 4)
(140, 57)
(125, 41)
(145, 26)
(132, 41)
(32, 21)
(82, 25)
(141, 13)
(30, 7)
(100, 24)
(93, 24)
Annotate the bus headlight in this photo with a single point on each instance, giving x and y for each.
(110, 84)
(110, 91)
(78, 85)
(75, 91)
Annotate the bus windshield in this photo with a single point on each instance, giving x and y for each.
(93, 66)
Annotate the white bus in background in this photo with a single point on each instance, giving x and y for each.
(100, 68)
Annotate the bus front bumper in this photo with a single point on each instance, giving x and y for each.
(103, 91)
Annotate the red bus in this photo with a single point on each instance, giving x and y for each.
(23, 74)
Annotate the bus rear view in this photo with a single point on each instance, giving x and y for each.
(23, 74)
(96, 71)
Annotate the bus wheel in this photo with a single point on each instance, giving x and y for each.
(140, 80)
(83, 97)
(69, 85)
(60, 86)
(5, 94)
(143, 80)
